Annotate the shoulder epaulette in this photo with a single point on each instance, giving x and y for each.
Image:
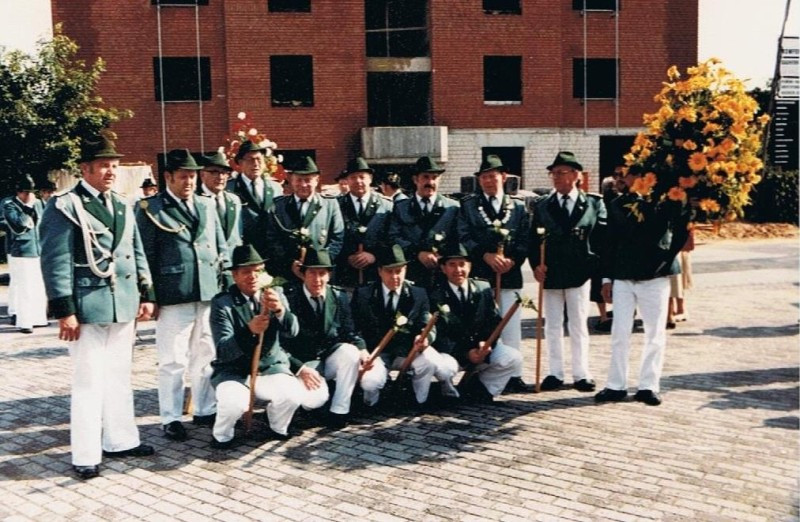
(203, 194)
(517, 197)
(330, 196)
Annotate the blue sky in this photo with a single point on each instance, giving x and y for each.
(742, 33)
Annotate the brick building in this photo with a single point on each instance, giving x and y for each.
(388, 79)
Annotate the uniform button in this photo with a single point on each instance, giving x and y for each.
(127, 276)
(127, 257)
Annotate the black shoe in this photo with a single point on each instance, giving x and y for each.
(175, 431)
(86, 472)
(270, 434)
(604, 326)
(204, 420)
(648, 397)
(671, 325)
(609, 395)
(584, 385)
(550, 383)
(335, 421)
(26, 330)
(476, 392)
(517, 385)
(228, 444)
(142, 450)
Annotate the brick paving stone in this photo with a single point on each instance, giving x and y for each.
(723, 446)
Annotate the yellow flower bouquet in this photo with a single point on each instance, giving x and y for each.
(702, 145)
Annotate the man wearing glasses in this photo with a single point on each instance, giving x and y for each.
(573, 223)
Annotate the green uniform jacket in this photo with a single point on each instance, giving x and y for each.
(230, 314)
(320, 337)
(479, 236)
(254, 216)
(463, 327)
(186, 255)
(323, 221)
(373, 320)
(22, 224)
(571, 247)
(375, 218)
(231, 222)
(72, 287)
(643, 250)
(416, 233)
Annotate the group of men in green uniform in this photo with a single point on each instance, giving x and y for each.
(231, 270)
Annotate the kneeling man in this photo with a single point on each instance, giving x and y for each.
(239, 316)
(327, 346)
(469, 314)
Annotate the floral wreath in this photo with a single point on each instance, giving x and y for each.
(243, 131)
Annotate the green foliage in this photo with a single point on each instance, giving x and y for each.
(775, 199)
(47, 103)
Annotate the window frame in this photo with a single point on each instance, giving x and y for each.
(205, 78)
(577, 74)
(178, 3)
(502, 10)
(293, 103)
(287, 9)
(486, 100)
(577, 5)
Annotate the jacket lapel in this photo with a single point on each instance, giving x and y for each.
(488, 208)
(172, 209)
(244, 193)
(269, 195)
(313, 210)
(230, 215)
(200, 224)
(94, 207)
(371, 208)
(578, 210)
(329, 310)
(119, 221)
(241, 306)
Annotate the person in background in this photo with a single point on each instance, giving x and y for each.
(148, 188)
(46, 191)
(23, 216)
(390, 187)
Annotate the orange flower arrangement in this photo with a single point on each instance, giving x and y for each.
(702, 145)
(244, 131)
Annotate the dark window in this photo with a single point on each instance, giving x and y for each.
(396, 28)
(292, 157)
(289, 6)
(502, 6)
(180, 78)
(398, 99)
(292, 80)
(601, 78)
(512, 160)
(178, 2)
(597, 5)
(502, 78)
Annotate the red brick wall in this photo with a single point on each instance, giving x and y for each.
(239, 36)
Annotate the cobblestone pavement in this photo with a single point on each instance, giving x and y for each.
(722, 446)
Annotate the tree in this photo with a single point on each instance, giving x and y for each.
(47, 103)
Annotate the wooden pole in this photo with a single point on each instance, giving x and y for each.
(377, 351)
(493, 337)
(248, 416)
(539, 321)
(412, 354)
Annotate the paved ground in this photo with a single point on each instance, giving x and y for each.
(723, 446)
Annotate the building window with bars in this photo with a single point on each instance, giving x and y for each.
(291, 80)
(596, 5)
(601, 78)
(511, 7)
(178, 3)
(502, 80)
(396, 28)
(180, 78)
(289, 6)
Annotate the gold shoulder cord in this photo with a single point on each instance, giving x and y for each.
(144, 204)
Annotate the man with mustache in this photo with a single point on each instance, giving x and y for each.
(423, 223)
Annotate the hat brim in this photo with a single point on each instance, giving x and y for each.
(393, 265)
(108, 155)
(329, 267)
(431, 171)
(444, 259)
(347, 173)
(574, 164)
(240, 153)
(216, 165)
(499, 169)
(304, 172)
(243, 265)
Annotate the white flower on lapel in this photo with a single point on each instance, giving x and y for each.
(265, 280)
(438, 237)
(445, 309)
(400, 320)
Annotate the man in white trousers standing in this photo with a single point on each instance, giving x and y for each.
(98, 283)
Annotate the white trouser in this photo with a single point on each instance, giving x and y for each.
(184, 344)
(342, 367)
(284, 393)
(30, 304)
(12, 285)
(101, 410)
(651, 298)
(504, 362)
(512, 333)
(577, 301)
(427, 364)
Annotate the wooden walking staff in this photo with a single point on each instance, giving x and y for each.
(498, 276)
(541, 234)
(414, 350)
(248, 416)
(399, 322)
(495, 335)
